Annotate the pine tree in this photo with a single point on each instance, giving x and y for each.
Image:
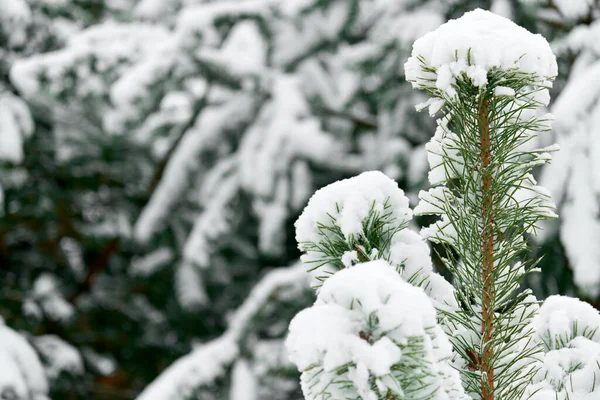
(488, 78)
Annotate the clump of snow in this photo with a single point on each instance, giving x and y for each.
(473, 45)
(412, 257)
(568, 331)
(529, 194)
(443, 155)
(22, 374)
(504, 91)
(368, 323)
(47, 294)
(16, 124)
(348, 203)
(434, 201)
(58, 356)
(561, 319)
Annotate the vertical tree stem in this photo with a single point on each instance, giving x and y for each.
(487, 270)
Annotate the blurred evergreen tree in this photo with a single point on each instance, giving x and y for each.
(154, 156)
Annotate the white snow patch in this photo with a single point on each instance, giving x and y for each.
(463, 46)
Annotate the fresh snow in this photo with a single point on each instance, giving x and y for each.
(365, 319)
(22, 372)
(210, 360)
(567, 330)
(504, 91)
(349, 202)
(462, 46)
(346, 205)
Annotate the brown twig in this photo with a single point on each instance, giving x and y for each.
(101, 262)
(361, 256)
(362, 121)
(160, 170)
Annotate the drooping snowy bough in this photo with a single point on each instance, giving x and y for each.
(21, 372)
(384, 325)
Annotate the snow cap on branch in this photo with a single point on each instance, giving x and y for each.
(358, 215)
(21, 372)
(562, 318)
(567, 329)
(370, 326)
(474, 45)
(350, 201)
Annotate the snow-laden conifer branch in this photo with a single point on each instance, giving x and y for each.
(22, 374)
(371, 334)
(484, 191)
(209, 361)
(568, 330)
(362, 219)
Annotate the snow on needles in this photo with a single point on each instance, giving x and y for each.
(475, 44)
(210, 360)
(567, 330)
(361, 219)
(368, 325)
(21, 374)
(349, 202)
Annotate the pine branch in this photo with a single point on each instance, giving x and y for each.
(159, 172)
(485, 194)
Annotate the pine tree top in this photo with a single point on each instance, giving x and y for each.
(475, 44)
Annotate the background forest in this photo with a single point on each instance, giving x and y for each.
(155, 154)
